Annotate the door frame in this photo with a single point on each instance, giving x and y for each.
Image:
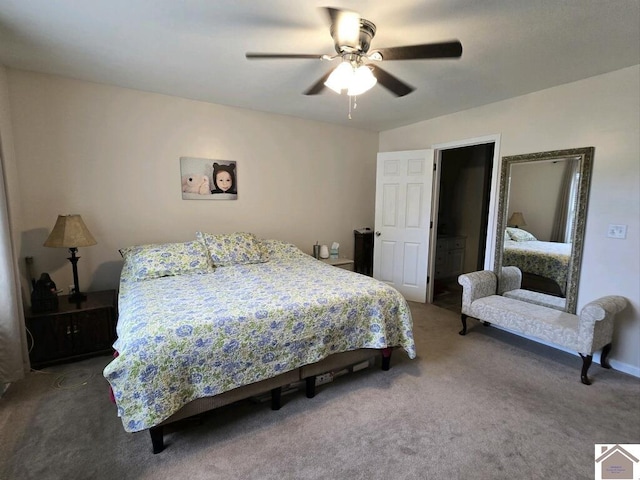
(438, 148)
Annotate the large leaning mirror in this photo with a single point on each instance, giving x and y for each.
(541, 221)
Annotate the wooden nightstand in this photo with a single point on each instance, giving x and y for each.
(74, 331)
(339, 262)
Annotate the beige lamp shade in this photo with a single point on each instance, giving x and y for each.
(517, 220)
(70, 232)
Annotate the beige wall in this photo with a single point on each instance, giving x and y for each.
(112, 155)
(603, 112)
(534, 190)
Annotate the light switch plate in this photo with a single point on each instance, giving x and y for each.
(617, 231)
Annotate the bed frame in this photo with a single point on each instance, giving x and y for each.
(537, 283)
(274, 385)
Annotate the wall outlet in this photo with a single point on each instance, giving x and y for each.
(324, 378)
(617, 231)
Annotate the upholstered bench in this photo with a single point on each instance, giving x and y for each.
(586, 333)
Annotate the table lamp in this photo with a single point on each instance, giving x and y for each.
(71, 232)
(517, 220)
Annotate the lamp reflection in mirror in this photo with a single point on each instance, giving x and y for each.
(354, 79)
(517, 220)
(71, 232)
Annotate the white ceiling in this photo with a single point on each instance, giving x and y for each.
(195, 49)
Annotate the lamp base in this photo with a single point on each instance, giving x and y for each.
(77, 296)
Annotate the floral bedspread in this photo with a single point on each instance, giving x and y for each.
(190, 336)
(547, 259)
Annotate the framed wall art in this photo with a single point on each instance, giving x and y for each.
(208, 179)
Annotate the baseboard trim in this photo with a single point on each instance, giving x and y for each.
(615, 364)
(625, 368)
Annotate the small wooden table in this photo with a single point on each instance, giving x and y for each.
(339, 262)
(74, 331)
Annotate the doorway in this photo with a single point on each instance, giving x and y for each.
(460, 218)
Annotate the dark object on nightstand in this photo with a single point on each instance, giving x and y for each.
(75, 331)
(363, 252)
(44, 297)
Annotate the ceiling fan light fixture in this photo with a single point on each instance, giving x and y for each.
(340, 78)
(355, 80)
(362, 81)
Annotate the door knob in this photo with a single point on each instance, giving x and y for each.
(378, 234)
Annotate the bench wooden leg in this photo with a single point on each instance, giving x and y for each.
(604, 356)
(586, 363)
(157, 440)
(463, 317)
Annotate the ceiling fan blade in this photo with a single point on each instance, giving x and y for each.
(317, 87)
(391, 83)
(345, 26)
(263, 56)
(451, 49)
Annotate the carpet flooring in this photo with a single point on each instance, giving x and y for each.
(490, 405)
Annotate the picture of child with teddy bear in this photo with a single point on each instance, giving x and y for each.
(209, 179)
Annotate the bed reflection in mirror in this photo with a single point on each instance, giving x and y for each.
(542, 215)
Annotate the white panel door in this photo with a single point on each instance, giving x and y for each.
(403, 211)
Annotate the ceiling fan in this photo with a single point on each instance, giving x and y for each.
(352, 37)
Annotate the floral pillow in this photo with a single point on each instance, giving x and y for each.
(280, 249)
(233, 248)
(519, 235)
(144, 262)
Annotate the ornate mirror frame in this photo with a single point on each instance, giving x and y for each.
(585, 156)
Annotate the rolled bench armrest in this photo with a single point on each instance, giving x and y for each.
(510, 279)
(602, 308)
(596, 322)
(477, 285)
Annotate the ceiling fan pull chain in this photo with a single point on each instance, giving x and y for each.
(352, 99)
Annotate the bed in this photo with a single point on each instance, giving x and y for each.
(545, 260)
(207, 322)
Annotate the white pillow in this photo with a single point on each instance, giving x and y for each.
(519, 235)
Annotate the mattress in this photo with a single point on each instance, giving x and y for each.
(546, 259)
